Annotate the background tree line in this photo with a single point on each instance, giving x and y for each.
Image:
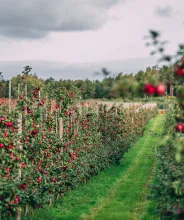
(108, 88)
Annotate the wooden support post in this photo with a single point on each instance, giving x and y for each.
(18, 217)
(18, 89)
(61, 128)
(26, 90)
(41, 110)
(70, 125)
(9, 96)
(78, 121)
(70, 118)
(171, 89)
(26, 210)
(46, 107)
(87, 107)
(50, 202)
(61, 136)
(116, 110)
(84, 180)
(56, 123)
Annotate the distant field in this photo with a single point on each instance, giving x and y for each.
(94, 103)
(124, 104)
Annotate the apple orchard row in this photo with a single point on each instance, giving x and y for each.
(46, 150)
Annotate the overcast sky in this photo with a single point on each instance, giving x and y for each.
(60, 38)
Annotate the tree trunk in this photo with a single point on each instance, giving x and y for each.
(18, 217)
(171, 89)
(26, 210)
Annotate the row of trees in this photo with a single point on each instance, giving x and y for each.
(109, 88)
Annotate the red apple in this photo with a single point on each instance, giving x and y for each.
(1, 145)
(23, 165)
(29, 111)
(6, 134)
(7, 169)
(12, 155)
(9, 213)
(179, 127)
(2, 119)
(39, 179)
(9, 124)
(34, 132)
(64, 168)
(17, 200)
(179, 71)
(180, 211)
(64, 176)
(52, 179)
(149, 89)
(160, 89)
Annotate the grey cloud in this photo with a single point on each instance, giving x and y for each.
(22, 33)
(166, 11)
(37, 18)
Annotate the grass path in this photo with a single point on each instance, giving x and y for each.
(118, 193)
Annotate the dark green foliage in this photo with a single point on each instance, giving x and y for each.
(108, 88)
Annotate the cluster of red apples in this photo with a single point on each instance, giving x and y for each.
(158, 90)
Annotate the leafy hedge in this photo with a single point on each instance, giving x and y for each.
(168, 190)
(43, 161)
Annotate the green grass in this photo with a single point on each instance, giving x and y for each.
(119, 192)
